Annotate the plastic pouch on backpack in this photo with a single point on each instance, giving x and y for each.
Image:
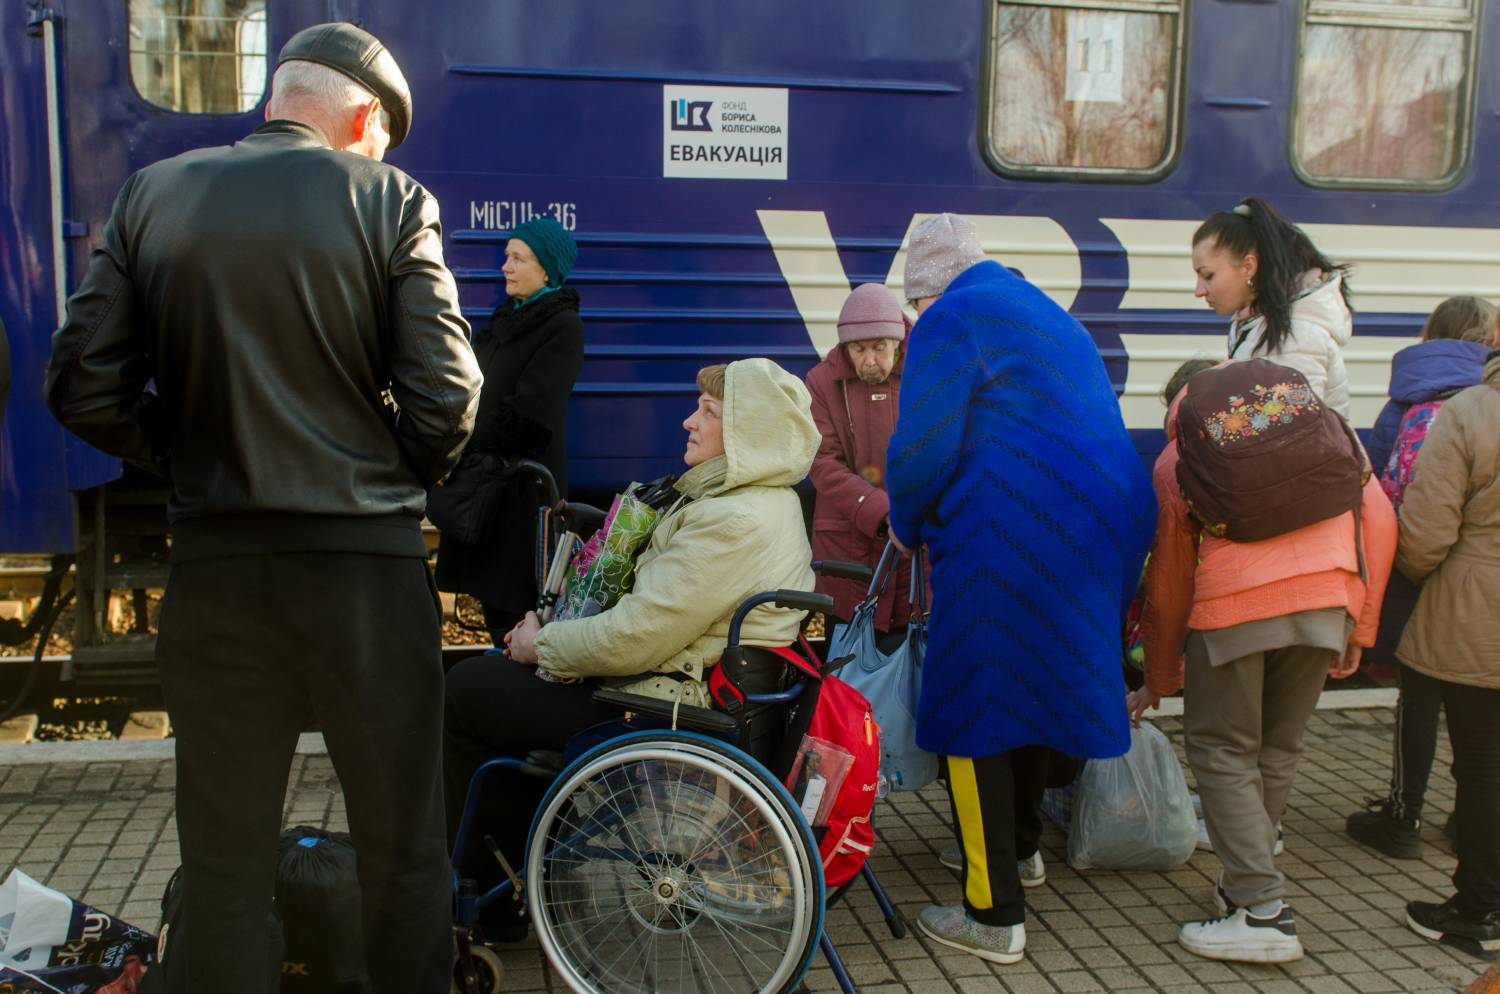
(890, 681)
(1133, 812)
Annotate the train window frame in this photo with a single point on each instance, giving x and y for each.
(1373, 13)
(129, 51)
(1176, 114)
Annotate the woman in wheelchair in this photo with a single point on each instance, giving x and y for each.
(737, 530)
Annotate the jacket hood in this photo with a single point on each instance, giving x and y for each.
(1427, 370)
(769, 434)
(1324, 306)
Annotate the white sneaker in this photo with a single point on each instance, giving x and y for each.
(1206, 845)
(1243, 938)
(1033, 872)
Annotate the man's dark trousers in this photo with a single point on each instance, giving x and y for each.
(251, 648)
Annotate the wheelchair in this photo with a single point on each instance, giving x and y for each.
(667, 856)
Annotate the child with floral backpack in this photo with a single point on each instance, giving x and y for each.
(1449, 358)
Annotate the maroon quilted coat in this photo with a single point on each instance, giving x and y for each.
(856, 421)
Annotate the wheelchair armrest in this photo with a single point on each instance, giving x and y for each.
(694, 718)
(581, 519)
(838, 569)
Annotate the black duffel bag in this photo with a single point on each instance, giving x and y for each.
(318, 899)
(465, 506)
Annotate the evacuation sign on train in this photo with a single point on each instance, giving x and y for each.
(724, 132)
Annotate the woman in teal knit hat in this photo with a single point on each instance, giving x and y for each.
(530, 352)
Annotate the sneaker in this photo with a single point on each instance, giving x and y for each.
(1243, 938)
(1380, 829)
(953, 927)
(1033, 872)
(1478, 935)
(1206, 845)
(1221, 898)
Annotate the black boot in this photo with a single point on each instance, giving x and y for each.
(1447, 923)
(1380, 829)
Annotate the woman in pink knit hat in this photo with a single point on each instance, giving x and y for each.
(854, 395)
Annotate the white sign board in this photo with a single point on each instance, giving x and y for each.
(1096, 56)
(724, 132)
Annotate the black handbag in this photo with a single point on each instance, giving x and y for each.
(465, 506)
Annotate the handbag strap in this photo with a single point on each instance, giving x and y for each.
(884, 570)
(918, 593)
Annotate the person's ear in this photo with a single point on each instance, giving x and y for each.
(1251, 265)
(364, 114)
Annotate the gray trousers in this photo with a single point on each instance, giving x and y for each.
(1244, 722)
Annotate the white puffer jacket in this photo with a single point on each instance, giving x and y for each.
(1321, 328)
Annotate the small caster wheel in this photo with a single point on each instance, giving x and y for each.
(481, 974)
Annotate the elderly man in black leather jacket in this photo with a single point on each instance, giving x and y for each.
(271, 324)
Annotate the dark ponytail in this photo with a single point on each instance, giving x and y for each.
(1284, 252)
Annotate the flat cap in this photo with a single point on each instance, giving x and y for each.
(359, 55)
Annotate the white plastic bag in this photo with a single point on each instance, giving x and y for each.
(1133, 812)
(34, 918)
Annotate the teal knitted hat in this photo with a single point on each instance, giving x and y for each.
(554, 247)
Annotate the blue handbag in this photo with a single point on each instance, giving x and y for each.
(890, 681)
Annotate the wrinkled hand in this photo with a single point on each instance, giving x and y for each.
(520, 641)
(1341, 667)
(1138, 702)
(897, 543)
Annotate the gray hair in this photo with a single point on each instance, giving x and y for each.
(317, 95)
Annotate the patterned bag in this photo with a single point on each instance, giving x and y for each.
(1261, 455)
(1401, 468)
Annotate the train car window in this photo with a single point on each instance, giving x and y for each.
(1083, 87)
(1384, 89)
(199, 56)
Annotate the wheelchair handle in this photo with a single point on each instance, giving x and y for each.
(540, 473)
(801, 600)
(858, 572)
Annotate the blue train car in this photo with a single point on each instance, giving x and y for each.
(731, 169)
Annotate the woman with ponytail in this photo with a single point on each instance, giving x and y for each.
(1287, 301)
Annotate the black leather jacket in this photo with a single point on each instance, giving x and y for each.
(245, 322)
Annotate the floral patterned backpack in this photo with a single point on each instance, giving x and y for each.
(1401, 468)
(1262, 455)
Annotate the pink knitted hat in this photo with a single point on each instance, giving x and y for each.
(941, 248)
(871, 311)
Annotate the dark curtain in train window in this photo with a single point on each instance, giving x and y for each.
(1380, 103)
(1082, 88)
(199, 56)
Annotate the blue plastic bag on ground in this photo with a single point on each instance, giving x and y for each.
(1133, 812)
(891, 682)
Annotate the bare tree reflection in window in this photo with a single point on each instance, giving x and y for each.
(1038, 122)
(199, 56)
(1380, 103)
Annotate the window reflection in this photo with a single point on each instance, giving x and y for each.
(199, 56)
(1383, 103)
(1088, 88)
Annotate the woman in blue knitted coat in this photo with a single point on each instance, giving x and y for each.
(1012, 464)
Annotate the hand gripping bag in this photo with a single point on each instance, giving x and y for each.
(1133, 812)
(892, 682)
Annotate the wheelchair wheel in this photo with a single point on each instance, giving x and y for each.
(670, 862)
(487, 971)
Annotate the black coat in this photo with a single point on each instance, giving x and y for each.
(530, 359)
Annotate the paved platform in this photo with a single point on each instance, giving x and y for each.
(101, 828)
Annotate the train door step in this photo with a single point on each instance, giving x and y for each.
(19, 729)
(146, 725)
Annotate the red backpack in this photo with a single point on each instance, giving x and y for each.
(840, 723)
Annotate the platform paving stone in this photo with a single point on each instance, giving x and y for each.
(104, 832)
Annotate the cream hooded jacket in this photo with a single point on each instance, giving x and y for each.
(737, 531)
(1314, 346)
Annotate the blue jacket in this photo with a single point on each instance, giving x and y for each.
(1011, 461)
(1419, 373)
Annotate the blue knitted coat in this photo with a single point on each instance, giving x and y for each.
(1011, 461)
